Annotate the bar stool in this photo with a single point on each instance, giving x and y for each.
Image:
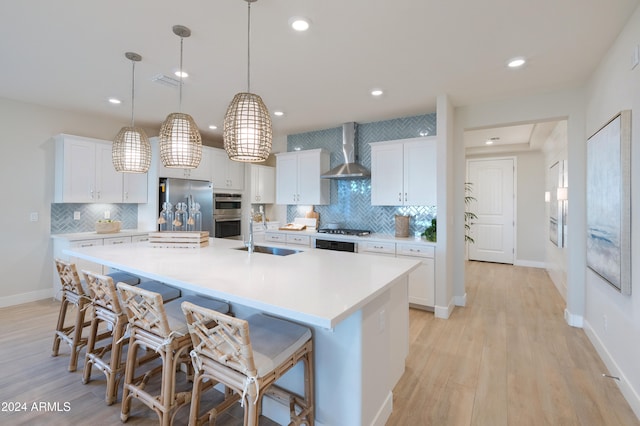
(225, 353)
(107, 357)
(161, 328)
(75, 295)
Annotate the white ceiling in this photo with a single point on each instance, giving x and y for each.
(70, 54)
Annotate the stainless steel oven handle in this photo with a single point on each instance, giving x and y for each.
(228, 219)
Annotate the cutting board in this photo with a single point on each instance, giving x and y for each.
(312, 214)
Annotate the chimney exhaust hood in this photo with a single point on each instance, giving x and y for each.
(349, 169)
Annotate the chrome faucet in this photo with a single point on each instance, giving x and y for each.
(249, 244)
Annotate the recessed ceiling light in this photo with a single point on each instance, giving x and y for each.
(376, 92)
(516, 62)
(213, 126)
(299, 23)
(115, 101)
(278, 113)
(182, 74)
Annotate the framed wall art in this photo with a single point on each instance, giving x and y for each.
(609, 202)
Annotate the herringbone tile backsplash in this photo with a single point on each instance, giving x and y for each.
(62, 221)
(351, 199)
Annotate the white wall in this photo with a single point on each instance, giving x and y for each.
(26, 171)
(555, 149)
(612, 320)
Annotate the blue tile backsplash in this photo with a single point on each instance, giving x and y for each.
(351, 199)
(62, 216)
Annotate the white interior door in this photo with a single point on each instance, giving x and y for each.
(493, 189)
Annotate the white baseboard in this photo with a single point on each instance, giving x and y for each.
(32, 296)
(530, 264)
(384, 412)
(444, 312)
(460, 300)
(573, 320)
(627, 390)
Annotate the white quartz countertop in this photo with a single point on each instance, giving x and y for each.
(79, 236)
(317, 287)
(354, 238)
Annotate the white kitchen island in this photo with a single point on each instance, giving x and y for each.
(356, 305)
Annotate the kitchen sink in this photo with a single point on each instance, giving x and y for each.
(276, 251)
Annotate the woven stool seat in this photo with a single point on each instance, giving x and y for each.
(154, 326)
(248, 356)
(167, 292)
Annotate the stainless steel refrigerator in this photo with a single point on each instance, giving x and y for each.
(189, 191)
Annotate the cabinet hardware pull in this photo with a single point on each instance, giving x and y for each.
(400, 196)
(405, 197)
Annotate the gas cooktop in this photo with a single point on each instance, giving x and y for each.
(343, 231)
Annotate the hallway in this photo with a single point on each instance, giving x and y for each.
(508, 358)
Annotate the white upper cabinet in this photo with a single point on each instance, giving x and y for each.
(202, 172)
(226, 173)
(84, 172)
(298, 177)
(403, 172)
(134, 187)
(263, 184)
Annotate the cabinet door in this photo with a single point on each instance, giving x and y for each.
(267, 185)
(86, 264)
(78, 171)
(135, 187)
(287, 179)
(235, 175)
(387, 175)
(203, 171)
(311, 188)
(420, 173)
(108, 180)
(262, 184)
(421, 284)
(219, 167)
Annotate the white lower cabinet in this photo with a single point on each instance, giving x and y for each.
(422, 280)
(300, 240)
(62, 244)
(379, 248)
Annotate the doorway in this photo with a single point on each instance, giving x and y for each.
(492, 186)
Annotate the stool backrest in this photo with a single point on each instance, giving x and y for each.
(69, 278)
(103, 291)
(144, 309)
(220, 337)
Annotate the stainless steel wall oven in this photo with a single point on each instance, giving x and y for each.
(227, 215)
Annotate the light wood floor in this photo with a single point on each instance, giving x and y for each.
(508, 358)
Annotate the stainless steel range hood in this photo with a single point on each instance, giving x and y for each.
(349, 169)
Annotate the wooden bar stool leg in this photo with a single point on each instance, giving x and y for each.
(132, 355)
(77, 343)
(60, 326)
(93, 332)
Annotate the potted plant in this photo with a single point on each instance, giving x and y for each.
(468, 216)
(430, 232)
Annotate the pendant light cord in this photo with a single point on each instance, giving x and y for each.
(180, 101)
(133, 90)
(249, 47)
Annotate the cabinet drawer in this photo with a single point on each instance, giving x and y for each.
(139, 238)
(86, 243)
(274, 237)
(416, 250)
(302, 240)
(377, 247)
(119, 240)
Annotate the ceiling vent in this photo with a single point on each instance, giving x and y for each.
(165, 80)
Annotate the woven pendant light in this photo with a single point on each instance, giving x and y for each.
(131, 150)
(180, 141)
(247, 124)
